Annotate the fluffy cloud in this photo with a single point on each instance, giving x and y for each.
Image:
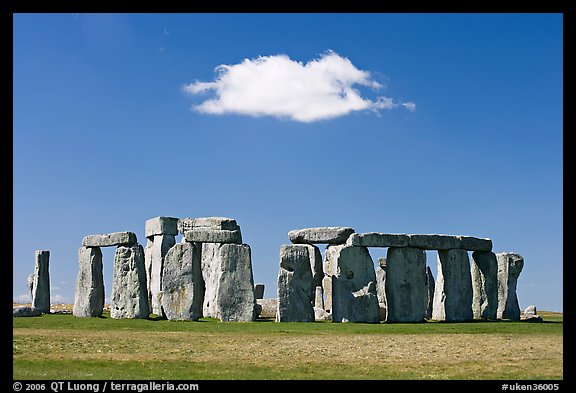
(277, 86)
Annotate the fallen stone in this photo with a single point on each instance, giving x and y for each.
(41, 284)
(531, 315)
(129, 293)
(509, 268)
(110, 239)
(160, 247)
(182, 291)
(295, 285)
(453, 291)
(475, 244)
(259, 291)
(484, 284)
(406, 292)
(269, 308)
(320, 235)
(215, 223)
(321, 315)
(530, 310)
(161, 226)
(26, 311)
(377, 239)
(89, 293)
(430, 284)
(434, 242)
(206, 235)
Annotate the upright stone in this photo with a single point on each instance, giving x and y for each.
(320, 235)
(354, 296)
(129, 293)
(327, 290)
(160, 247)
(41, 284)
(381, 288)
(182, 284)
(89, 293)
(319, 297)
(406, 292)
(453, 291)
(430, 292)
(148, 266)
(30, 283)
(484, 285)
(315, 265)
(259, 291)
(509, 268)
(295, 285)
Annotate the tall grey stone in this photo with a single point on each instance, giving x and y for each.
(148, 266)
(259, 291)
(430, 292)
(315, 265)
(354, 296)
(229, 282)
(406, 292)
(509, 268)
(381, 288)
(295, 285)
(327, 290)
(41, 285)
(377, 239)
(160, 247)
(129, 293)
(320, 235)
(484, 284)
(182, 284)
(161, 226)
(453, 291)
(89, 293)
(30, 282)
(319, 297)
(110, 239)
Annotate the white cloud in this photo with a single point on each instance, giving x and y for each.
(24, 298)
(57, 298)
(277, 86)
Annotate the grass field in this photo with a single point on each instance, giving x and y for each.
(65, 347)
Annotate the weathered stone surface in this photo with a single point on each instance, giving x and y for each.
(382, 312)
(381, 288)
(484, 284)
(161, 226)
(30, 282)
(229, 283)
(295, 284)
(215, 223)
(182, 288)
(530, 310)
(89, 293)
(320, 235)
(269, 307)
(110, 239)
(475, 244)
(315, 265)
(531, 315)
(160, 246)
(319, 297)
(434, 242)
(26, 311)
(354, 296)
(327, 289)
(321, 315)
(41, 284)
(378, 239)
(148, 266)
(509, 268)
(259, 291)
(129, 293)
(453, 291)
(207, 235)
(430, 292)
(406, 292)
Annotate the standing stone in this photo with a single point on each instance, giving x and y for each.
(30, 283)
(381, 288)
(89, 293)
(160, 247)
(354, 296)
(315, 265)
(327, 289)
(406, 292)
(484, 284)
(320, 235)
(430, 292)
(148, 266)
(182, 284)
(259, 291)
(319, 297)
(229, 282)
(129, 293)
(453, 291)
(509, 268)
(41, 286)
(295, 285)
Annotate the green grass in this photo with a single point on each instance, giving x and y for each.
(65, 347)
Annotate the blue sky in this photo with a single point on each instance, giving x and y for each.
(105, 135)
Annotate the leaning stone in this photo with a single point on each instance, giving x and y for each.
(129, 293)
(206, 235)
(406, 292)
(434, 242)
(160, 247)
(381, 287)
(182, 284)
(295, 285)
(259, 291)
(377, 239)
(26, 311)
(161, 226)
(509, 268)
(354, 296)
(484, 284)
(321, 315)
(475, 244)
(320, 235)
(89, 293)
(216, 223)
(453, 291)
(268, 307)
(110, 239)
(430, 292)
(41, 285)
